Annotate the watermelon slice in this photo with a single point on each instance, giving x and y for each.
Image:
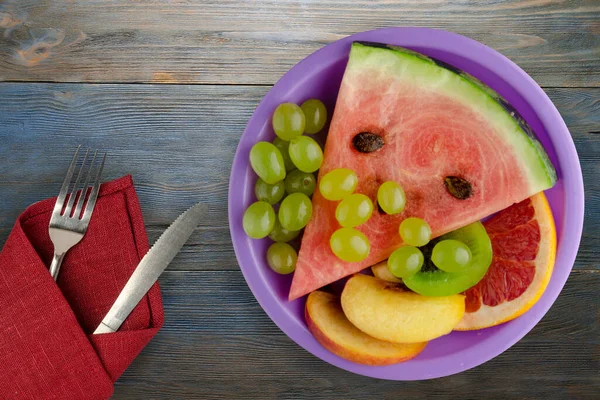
(459, 151)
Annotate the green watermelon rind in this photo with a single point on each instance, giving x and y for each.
(540, 171)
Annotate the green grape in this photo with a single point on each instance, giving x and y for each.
(391, 198)
(306, 154)
(316, 115)
(338, 183)
(280, 234)
(295, 211)
(405, 262)
(259, 220)
(300, 182)
(283, 147)
(451, 255)
(288, 121)
(354, 210)
(350, 245)
(415, 231)
(282, 258)
(267, 162)
(269, 193)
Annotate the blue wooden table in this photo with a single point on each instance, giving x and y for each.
(168, 86)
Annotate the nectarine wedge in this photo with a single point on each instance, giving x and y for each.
(381, 271)
(328, 324)
(388, 312)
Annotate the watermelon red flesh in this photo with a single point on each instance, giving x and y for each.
(428, 135)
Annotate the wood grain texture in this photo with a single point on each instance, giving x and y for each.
(178, 142)
(255, 42)
(217, 343)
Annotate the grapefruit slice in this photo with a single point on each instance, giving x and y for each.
(460, 152)
(524, 244)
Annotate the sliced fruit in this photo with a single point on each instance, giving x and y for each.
(381, 271)
(431, 281)
(458, 150)
(328, 324)
(388, 312)
(524, 241)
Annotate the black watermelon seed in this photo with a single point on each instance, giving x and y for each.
(458, 187)
(367, 142)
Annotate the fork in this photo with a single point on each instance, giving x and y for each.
(68, 226)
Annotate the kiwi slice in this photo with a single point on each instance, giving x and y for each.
(431, 281)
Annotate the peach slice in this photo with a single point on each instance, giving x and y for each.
(381, 271)
(328, 324)
(388, 312)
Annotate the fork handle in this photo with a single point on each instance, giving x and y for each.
(55, 265)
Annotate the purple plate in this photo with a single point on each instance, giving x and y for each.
(319, 76)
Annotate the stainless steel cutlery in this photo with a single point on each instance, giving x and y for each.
(69, 222)
(151, 266)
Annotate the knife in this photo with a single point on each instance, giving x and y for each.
(151, 266)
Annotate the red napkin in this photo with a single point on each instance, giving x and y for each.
(47, 350)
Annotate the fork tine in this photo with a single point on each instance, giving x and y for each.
(65, 186)
(94, 194)
(69, 207)
(85, 188)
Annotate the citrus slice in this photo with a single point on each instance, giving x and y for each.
(523, 239)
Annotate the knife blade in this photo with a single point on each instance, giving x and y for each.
(151, 266)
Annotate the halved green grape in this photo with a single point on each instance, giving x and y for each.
(282, 258)
(451, 255)
(288, 121)
(391, 198)
(306, 154)
(259, 220)
(405, 262)
(415, 231)
(350, 245)
(338, 183)
(300, 182)
(267, 162)
(284, 147)
(354, 210)
(269, 193)
(316, 115)
(295, 211)
(280, 234)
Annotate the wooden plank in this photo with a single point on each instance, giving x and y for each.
(255, 42)
(217, 343)
(178, 143)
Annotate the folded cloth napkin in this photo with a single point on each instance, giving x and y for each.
(47, 350)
